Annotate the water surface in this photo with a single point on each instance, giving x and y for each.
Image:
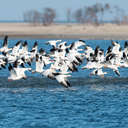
(91, 102)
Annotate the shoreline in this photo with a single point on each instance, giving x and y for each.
(64, 31)
(70, 37)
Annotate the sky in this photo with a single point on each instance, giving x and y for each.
(14, 9)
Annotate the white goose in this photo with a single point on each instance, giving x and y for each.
(15, 49)
(39, 64)
(17, 73)
(62, 79)
(4, 48)
(53, 43)
(98, 72)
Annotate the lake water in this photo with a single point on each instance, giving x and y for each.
(91, 102)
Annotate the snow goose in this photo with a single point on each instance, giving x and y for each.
(17, 73)
(98, 72)
(15, 49)
(4, 48)
(53, 43)
(62, 79)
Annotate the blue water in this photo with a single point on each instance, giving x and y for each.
(91, 102)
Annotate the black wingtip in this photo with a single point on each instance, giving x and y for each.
(69, 85)
(22, 65)
(32, 50)
(64, 85)
(72, 45)
(37, 57)
(35, 44)
(3, 66)
(29, 63)
(6, 61)
(5, 41)
(41, 51)
(24, 43)
(56, 73)
(6, 37)
(15, 64)
(23, 59)
(126, 44)
(117, 73)
(18, 43)
(78, 59)
(82, 41)
(10, 67)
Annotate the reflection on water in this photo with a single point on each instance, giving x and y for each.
(38, 82)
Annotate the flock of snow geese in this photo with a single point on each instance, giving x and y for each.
(61, 60)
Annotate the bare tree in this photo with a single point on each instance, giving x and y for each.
(78, 15)
(94, 14)
(102, 14)
(107, 6)
(91, 15)
(125, 20)
(27, 16)
(68, 15)
(119, 14)
(48, 16)
(32, 16)
(103, 9)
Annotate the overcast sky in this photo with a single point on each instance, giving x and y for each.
(14, 9)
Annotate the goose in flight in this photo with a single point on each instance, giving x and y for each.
(39, 64)
(62, 79)
(98, 72)
(15, 49)
(4, 48)
(17, 73)
(24, 50)
(53, 43)
(116, 47)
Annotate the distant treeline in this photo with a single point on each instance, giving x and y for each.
(93, 14)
